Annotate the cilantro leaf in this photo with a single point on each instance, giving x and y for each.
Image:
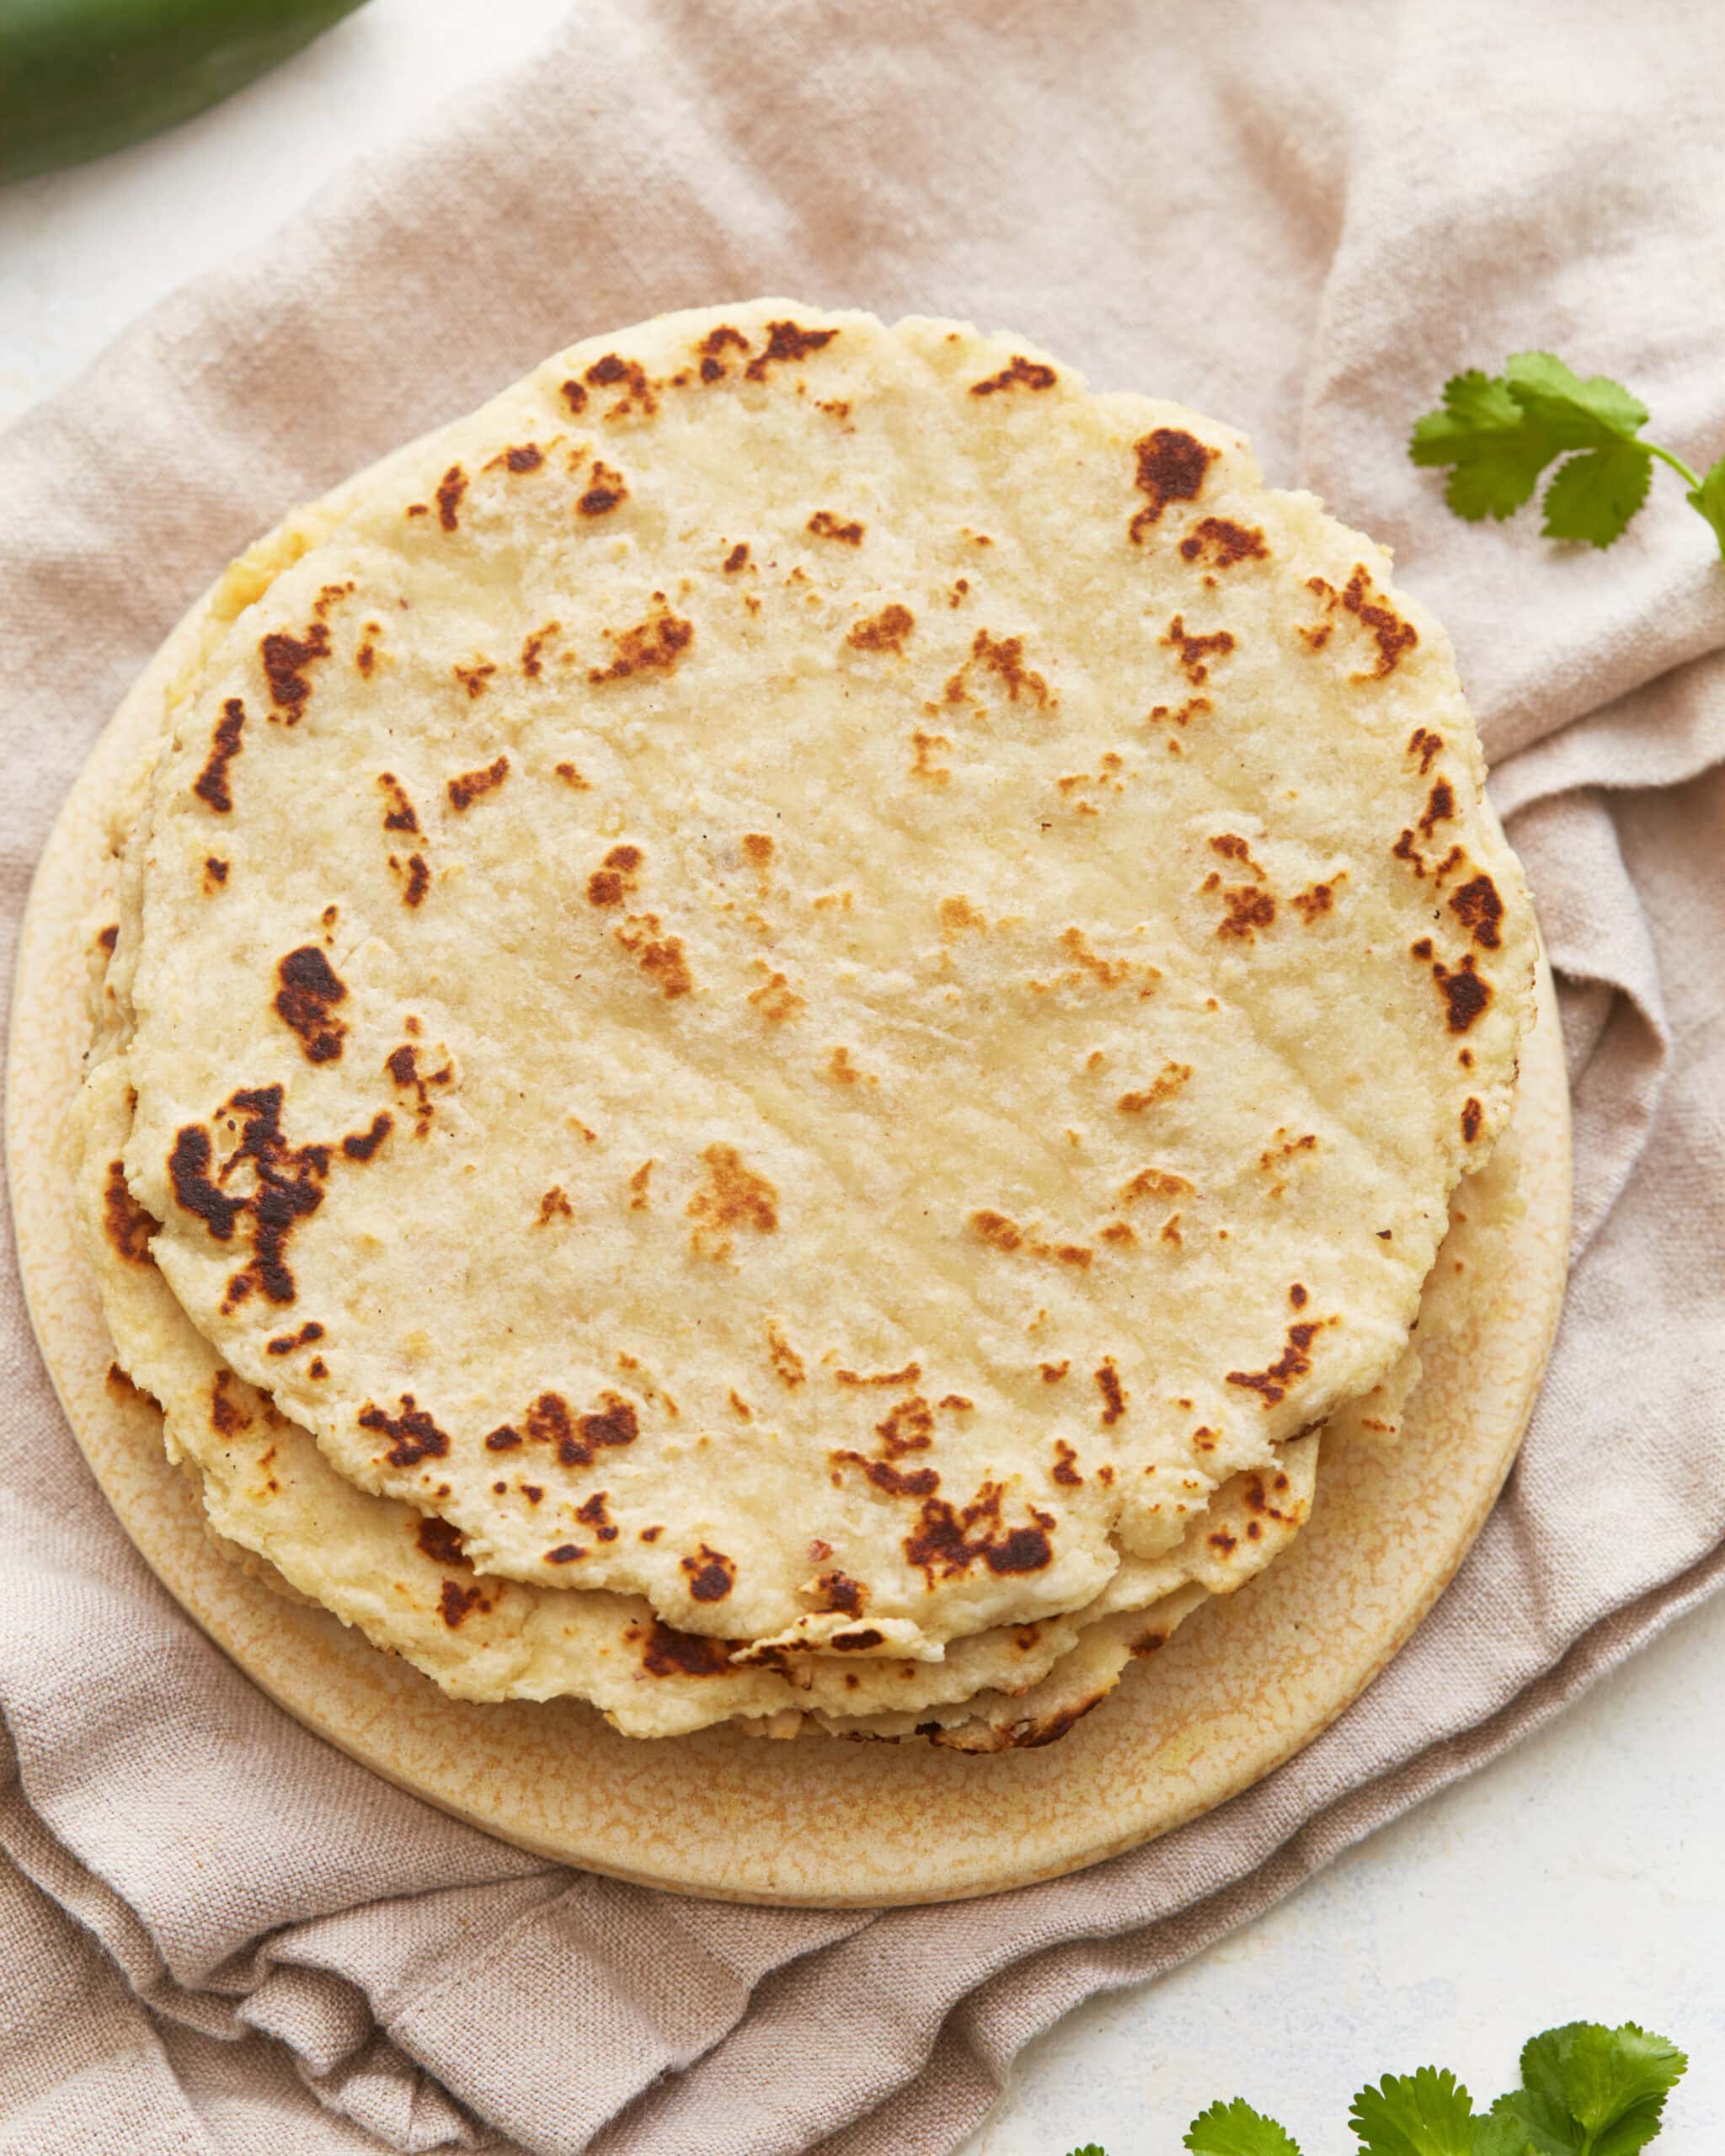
(1237, 2130)
(1498, 453)
(1590, 414)
(1594, 495)
(1615, 2082)
(1502, 2134)
(1424, 2114)
(1090, 2148)
(1543, 2122)
(1476, 407)
(1497, 433)
(1709, 498)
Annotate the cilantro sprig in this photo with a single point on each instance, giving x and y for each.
(1586, 2090)
(1498, 433)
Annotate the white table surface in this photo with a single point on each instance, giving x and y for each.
(1582, 1877)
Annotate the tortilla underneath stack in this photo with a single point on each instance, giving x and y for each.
(778, 1021)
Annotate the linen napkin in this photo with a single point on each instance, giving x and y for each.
(219, 1936)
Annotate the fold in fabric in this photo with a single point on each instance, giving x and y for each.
(231, 1939)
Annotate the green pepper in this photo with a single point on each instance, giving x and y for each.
(79, 77)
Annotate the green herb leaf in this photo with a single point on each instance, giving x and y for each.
(1476, 407)
(1090, 2148)
(1709, 498)
(1424, 2114)
(1237, 2130)
(1502, 2134)
(1497, 433)
(1590, 414)
(1594, 495)
(1498, 453)
(1613, 2082)
(1543, 2122)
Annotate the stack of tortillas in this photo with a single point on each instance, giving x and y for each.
(780, 1022)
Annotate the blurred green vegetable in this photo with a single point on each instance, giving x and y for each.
(79, 77)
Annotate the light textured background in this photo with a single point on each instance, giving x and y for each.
(1584, 1874)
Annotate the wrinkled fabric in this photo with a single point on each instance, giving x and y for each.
(223, 1937)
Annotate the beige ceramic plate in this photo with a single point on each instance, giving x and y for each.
(1242, 1685)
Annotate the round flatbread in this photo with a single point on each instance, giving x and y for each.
(807, 973)
(403, 1576)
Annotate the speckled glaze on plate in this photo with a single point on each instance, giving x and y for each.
(1245, 1683)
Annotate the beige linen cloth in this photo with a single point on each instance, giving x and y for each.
(218, 1936)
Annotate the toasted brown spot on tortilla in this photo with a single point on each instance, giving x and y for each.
(776, 1000)
(824, 525)
(658, 956)
(286, 658)
(416, 878)
(1311, 904)
(996, 1230)
(1166, 1083)
(309, 992)
(1004, 658)
(786, 340)
(413, 1435)
(891, 1379)
(532, 653)
(671, 1653)
(841, 1594)
(711, 1574)
(125, 1222)
(734, 1196)
(450, 489)
(443, 1543)
(614, 371)
(655, 645)
(121, 1386)
(399, 814)
(948, 1543)
(288, 1344)
(472, 785)
(1172, 465)
(885, 632)
(1113, 1393)
(1023, 373)
(210, 785)
(1478, 907)
(606, 490)
(1224, 542)
(226, 1417)
(1472, 1115)
(1439, 808)
(1294, 1362)
(1394, 637)
(592, 1513)
(1465, 994)
(611, 883)
(454, 1601)
(1194, 652)
(786, 1362)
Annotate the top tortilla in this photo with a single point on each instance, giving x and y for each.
(807, 971)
